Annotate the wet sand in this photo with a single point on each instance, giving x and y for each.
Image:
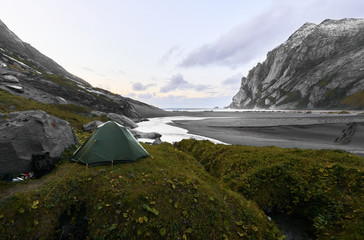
(281, 129)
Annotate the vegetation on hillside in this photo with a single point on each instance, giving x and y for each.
(325, 186)
(193, 190)
(74, 114)
(166, 196)
(355, 101)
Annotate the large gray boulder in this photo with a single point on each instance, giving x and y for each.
(122, 120)
(30, 132)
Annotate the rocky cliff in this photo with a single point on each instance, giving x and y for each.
(318, 67)
(27, 72)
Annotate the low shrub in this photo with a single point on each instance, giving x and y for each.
(325, 186)
(166, 196)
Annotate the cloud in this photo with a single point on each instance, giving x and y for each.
(146, 95)
(103, 86)
(254, 38)
(88, 69)
(177, 101)
(242, 43)
(233, 82)
(177, 82)
(140, 87)
(132, 95)
(175, 50)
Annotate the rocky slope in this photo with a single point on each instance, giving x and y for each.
(27, 72)
(318, 67)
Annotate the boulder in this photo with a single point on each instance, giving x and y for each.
(91, 126)
(16, 88)
(61, 100)
(157, 141)
(10, 79)
(98, 113)
(31, 132)
(122, 120)
(138, 120)
(149, 135)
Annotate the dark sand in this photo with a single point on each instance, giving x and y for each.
(281, 129)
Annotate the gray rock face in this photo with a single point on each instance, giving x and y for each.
(91, 126)
(318, 67)
(29, 132)
(122, 120)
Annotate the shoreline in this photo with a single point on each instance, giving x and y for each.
(292, 130)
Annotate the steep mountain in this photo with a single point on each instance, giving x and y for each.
(318, 67)
(26, 72)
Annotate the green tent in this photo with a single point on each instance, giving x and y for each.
(110, 143)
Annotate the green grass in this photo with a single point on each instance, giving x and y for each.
(75, 115)
(166, 196)
(324, 186)
(194, 190)
(355, 101)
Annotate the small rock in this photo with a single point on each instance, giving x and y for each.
(157, 141)
(138, 120)
(61, 100)
(148, 135)
(91, 126)
(98, 113)
(10, 79)
(16, 88)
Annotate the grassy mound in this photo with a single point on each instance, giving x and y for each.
(166, 196)
(324, 186)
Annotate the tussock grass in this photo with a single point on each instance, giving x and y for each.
(324, 186)
(166, 196)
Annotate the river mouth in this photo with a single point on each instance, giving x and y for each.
(293, 227)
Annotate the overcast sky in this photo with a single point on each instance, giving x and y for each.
(169, 53)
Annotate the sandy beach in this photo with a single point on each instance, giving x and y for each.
(318, 130)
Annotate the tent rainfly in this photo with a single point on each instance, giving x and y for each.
(110, 143)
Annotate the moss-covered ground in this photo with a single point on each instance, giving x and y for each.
(75, 115)
(192, 190)
(355, 101)
(166, 196)
(324, 186)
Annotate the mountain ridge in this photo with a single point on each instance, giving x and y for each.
(10, 41)
(27, 72)
(320, 66)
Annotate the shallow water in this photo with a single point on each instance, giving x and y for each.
(293, 228)
(170, 133)
(318, 130)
